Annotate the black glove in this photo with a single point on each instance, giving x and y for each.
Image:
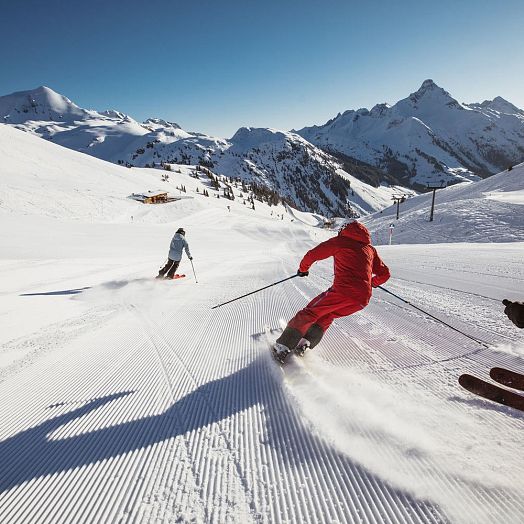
(190, 258)
(515, 312)
(302, 273)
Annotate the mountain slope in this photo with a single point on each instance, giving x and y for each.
(428, 137)
(491, 210)
(306, 176)
(42, 178)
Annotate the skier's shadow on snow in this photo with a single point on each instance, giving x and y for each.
(35, 452)
(53, 293)
(112, 284)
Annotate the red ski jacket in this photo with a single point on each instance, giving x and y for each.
(357, 264)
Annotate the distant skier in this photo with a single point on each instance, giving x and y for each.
(178, 244)
(515, 312)
(358, 268)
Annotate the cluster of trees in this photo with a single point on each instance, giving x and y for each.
(184, 159)
(151, 145)
(206, 162)
(254, 190)
(139, 151)
(266, 194)
(215, 184)
(205, 192)
(228, 193)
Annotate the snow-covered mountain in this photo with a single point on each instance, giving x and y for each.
(41, 104)
(104, 135)
(307, 177)
(428, 137)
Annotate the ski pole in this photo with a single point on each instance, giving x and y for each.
(193, 270)
(252, 292)
(435, 318)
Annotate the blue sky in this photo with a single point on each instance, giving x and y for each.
(214, 66)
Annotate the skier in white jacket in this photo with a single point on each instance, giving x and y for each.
(178, 244)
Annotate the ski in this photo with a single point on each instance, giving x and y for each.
(302, 346)
(280, 356)
(268, 332)
(279, 353)
(174, 277)
(492, 392)
(508, 378)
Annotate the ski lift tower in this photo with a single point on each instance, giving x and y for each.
(398, 200)
(434, 189)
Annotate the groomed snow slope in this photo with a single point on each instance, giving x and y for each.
(126, 399)
(491, 210)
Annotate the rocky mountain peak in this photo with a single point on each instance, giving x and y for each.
(430, 91)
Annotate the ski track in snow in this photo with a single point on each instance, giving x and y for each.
(370, 427)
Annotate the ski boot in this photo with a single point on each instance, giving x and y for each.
(280, 352)
(302, 347)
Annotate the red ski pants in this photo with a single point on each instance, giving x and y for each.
(322, 310)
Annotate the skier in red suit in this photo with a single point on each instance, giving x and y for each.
(358, 268)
